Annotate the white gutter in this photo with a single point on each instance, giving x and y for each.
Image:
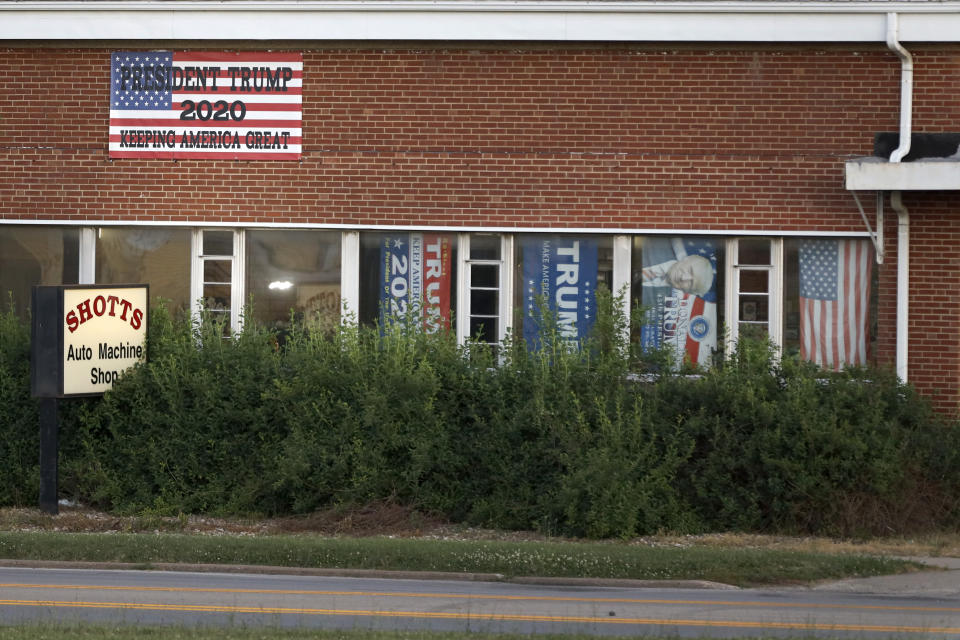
(479, 20)
(896, 201)
(903, 282)
(906, 87)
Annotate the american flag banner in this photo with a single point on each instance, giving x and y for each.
(834, 301)
(184, 105)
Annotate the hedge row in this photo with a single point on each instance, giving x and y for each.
(565, 442)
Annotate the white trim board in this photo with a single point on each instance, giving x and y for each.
(190, 224)
(494, 21)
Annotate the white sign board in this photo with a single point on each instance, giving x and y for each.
(104, 333)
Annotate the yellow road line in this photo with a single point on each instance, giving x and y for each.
(736, 624)
(391, 594)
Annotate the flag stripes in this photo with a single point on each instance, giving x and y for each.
(206, 105)
(834, 301)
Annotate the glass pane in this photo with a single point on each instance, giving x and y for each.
(754, 331)
(31, 255)
(484, 329)
(294, 272)
(216, 297)
(223, 317)
(485, 275)
(218, 243)
(754, 281)
(753, 251)
(484, 247)
(791, 297)
(483, 302)
(217, 271)
(754, 308)
(157, 257)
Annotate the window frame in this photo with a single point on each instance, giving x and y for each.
(464, 287)
(774, 293)
(237, 272)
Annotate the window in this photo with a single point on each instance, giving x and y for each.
(485, 319)
(32, 255)
(753, 299)
(217, 287)
(294, 273)
(155, 256)
(811, 296)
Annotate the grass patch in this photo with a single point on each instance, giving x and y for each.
(738, 566)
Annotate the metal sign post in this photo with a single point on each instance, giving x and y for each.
(104, 330)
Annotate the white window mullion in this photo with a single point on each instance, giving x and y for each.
(776, 293)
(350, 276)
(731, 296)
(238, 281)
(622, 275)
(463, 287)
(506, 285)
(196, 275)
(87, 273)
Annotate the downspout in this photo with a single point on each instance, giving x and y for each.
(896, 201)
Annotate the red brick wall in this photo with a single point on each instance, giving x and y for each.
(606, 137)
(934, 328)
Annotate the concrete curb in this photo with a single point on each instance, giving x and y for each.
(362, 573)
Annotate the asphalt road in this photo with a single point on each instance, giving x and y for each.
(164, 597)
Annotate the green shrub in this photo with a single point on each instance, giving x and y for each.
(185, 430)
(20, 444)
(561, 440)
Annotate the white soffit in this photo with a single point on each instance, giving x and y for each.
(876, 174)
(479, 20)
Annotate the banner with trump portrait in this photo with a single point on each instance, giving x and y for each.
(679, 298)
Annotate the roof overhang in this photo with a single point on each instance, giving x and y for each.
(878, 174)
(479, 20)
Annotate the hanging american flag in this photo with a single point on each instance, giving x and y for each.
(834, 301)
(205, 105)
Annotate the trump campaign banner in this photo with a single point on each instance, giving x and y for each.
(560, 277)
(415, 277)
(680, 298)
(184, 105)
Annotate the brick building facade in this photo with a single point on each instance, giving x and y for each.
(487, 141)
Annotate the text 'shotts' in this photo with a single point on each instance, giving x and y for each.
(104, 334)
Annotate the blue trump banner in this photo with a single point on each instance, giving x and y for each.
(559, 272)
